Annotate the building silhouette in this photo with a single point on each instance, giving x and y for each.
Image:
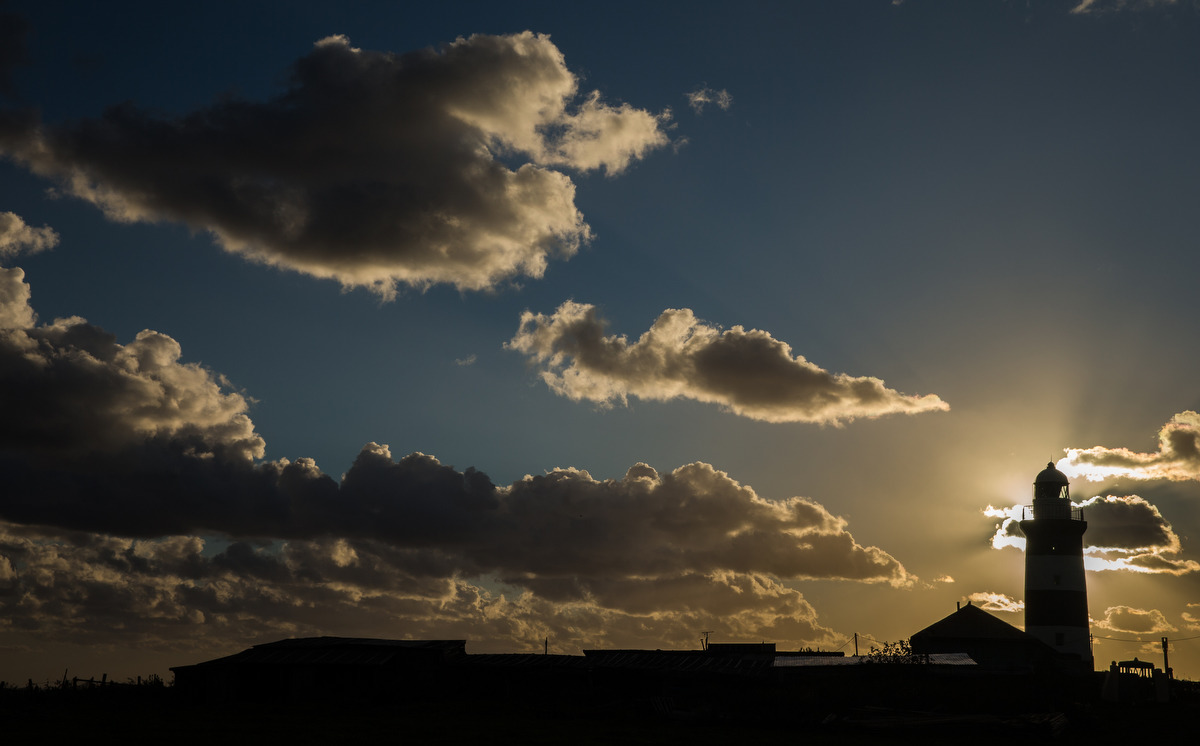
(1056, 610)
(992, 644)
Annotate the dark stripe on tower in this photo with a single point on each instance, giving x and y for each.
(1051, 547)
(1056, 608)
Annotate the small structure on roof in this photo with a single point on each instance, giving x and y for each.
(1136, 667)
(1135, 681)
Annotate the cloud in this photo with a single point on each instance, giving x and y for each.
(600, 136)
(176, 593)
(1192, 620)
(562, 533)
(989, 601)
(1007, 533)
(1124, 533)
(15, 311)
(1111, 6)
(693, 519)
(702, 97)
(745, 372)
(648, 560)
(1127, 523)
(16, 236)
(374, 169)
(69, 389)
(1177, 459)
(1129, 620)
(119, 458)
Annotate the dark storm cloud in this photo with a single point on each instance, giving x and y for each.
(746, 372)
(374, 169)
(1177, 458)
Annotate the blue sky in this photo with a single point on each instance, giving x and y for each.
(981, 212)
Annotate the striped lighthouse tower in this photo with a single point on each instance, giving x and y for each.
(1056, 610)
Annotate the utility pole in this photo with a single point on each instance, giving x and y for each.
(855, 644)
(1166, 662)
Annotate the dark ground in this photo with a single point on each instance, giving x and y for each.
(843, 714)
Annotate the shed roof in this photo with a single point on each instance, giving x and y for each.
(800, 661)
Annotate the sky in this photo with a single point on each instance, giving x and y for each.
(612, 325)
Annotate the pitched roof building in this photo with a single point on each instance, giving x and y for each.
(994, 644)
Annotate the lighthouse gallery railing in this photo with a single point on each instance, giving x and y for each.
(1056, 509)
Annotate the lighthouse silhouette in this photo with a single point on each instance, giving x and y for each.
(1056, 610)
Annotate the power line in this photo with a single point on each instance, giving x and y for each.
(1171, 639)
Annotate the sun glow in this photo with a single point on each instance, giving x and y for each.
(1075, 469)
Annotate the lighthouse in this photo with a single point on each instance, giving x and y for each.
(1056, 610)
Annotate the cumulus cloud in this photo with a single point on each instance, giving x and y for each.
(745, 372)
(68, 388)
(989, 601)
(414, 546)
(563, 532)
(374, 169)
(1127, 523)
(1177, 458)
(1129, 620)
(173, 593)
(702, 97)
(1124, 533)
(16, 236)
(119, 457)
(15, 311)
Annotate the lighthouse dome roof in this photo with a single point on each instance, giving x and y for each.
(1050, 475)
